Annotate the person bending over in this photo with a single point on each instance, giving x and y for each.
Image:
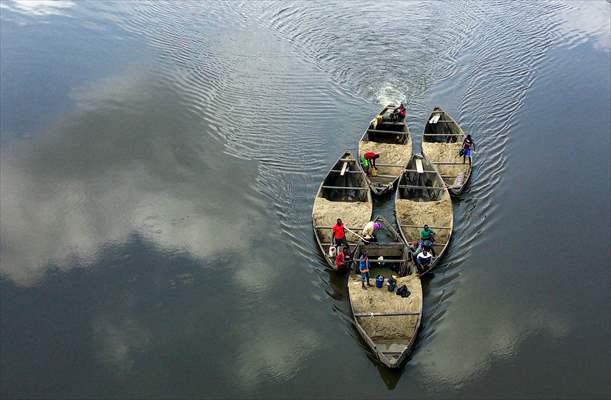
(369, 230)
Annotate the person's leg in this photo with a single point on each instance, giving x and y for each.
(363, 277)
(423, 268)
(367, 273)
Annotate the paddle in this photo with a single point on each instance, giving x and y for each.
(356, 234)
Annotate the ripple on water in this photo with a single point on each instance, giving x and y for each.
(268, 86)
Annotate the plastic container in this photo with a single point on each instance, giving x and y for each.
(379, 281)
(332, 251)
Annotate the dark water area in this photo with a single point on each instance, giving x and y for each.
(158, 166)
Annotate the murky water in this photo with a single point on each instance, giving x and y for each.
(159, 162)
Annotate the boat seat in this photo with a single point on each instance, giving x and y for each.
(419, 167)
(434, 119)
(344, 167)
(459, 180)
(391, 348)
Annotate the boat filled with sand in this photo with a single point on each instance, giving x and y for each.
(343, 194)
(442, 142)
(387, 315)
(389, 137)
(423, 199)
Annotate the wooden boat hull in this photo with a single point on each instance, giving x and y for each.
(441, 143)
(344, 194)
(388, 323)
(422, 198)
(394, 143)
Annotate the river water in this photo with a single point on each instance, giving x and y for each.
(159, 162)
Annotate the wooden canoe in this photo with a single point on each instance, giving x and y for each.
(441, 143)
(344, 194)
(422, 198)
(387, 322)
(393, 141)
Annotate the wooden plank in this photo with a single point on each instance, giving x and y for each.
(347, 172)
(386, 132)
(419, 167)
(446, 163)
(443, 134)
(330, 227)
(420, 187)
(344, 169)
(394, 260)
(421, 226)
(384, 121)
(347, 160)
(386, 176)
(389, 165)
(434, 119)
(345, 187)
(385, 314)
(415, 170)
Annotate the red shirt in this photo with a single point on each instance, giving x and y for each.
(338, 231)
(369, 155)
(339, 260)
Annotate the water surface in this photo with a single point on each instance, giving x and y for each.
(159, 162)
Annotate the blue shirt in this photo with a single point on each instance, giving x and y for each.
(362, 264)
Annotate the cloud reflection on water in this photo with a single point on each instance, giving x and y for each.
(586, 21)
(38, 7)
(116, 166)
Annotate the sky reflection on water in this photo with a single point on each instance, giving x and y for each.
(157, 185)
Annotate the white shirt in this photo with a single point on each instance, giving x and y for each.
(422, 256)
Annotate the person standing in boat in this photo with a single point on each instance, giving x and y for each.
(467, 145)
(364, 269)
(338, 235)
(369, 230)
(371, 157)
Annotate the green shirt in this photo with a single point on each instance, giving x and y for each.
(426, 234)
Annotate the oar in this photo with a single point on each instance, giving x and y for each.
(356, 234)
